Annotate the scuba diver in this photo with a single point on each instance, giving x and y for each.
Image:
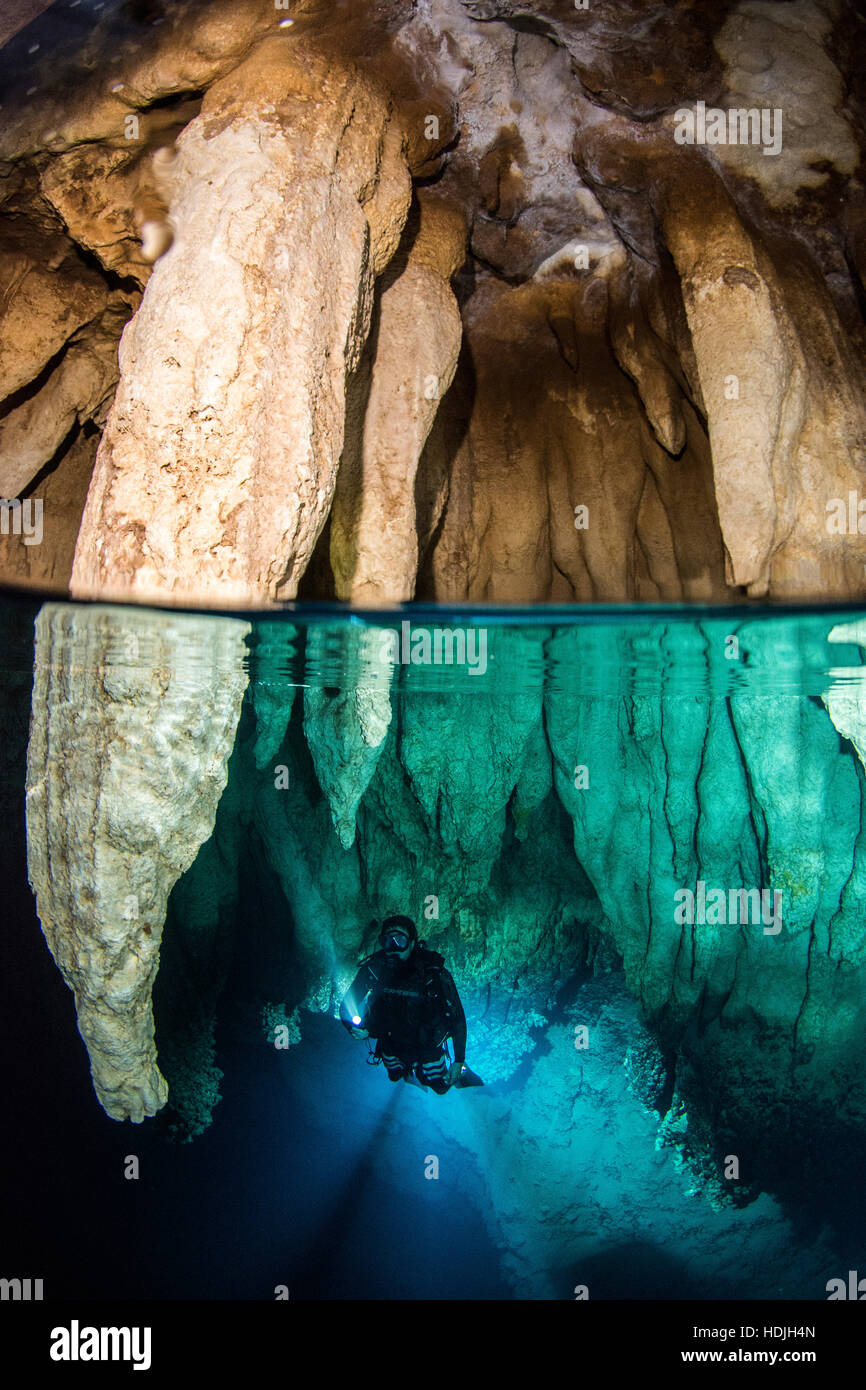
(405, 998)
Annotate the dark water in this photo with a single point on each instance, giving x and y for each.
(309, 1171)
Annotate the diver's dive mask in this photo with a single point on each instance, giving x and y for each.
(396, 941)
(397, 936)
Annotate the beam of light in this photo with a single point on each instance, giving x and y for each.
(336, 1227)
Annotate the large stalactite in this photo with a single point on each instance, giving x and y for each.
(134, 719)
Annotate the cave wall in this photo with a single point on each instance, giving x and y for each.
(466, 802)
(432, 300)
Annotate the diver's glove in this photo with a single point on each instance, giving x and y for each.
(455, 1072)
(359, 1032)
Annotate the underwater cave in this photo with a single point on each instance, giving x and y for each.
(430, 448)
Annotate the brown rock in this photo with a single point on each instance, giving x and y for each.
(559, 491)
(374, 547)
(105, 192)
(785, 408)
(42, 303)
(685, 350)
(46, 562)
(79, 388)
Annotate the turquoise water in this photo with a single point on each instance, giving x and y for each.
(674, 1106)
(610, 652)
(605, 655)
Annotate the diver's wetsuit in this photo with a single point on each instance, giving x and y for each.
(410, 1007)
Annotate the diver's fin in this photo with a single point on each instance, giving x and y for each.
(468, 1078)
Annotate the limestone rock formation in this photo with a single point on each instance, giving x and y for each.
(469, 302)
(221, 452)
(417, 333)
(77, 391)
(524, 844)
(126, 763)
(40, 557)
(47, 296)
(107, 192)
(765, 387)
(345, 729)
(622, 358)
(847, 709)
(540, 815)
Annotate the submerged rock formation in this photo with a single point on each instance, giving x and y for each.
(134, 719)
(544, 814)
(448, 300)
